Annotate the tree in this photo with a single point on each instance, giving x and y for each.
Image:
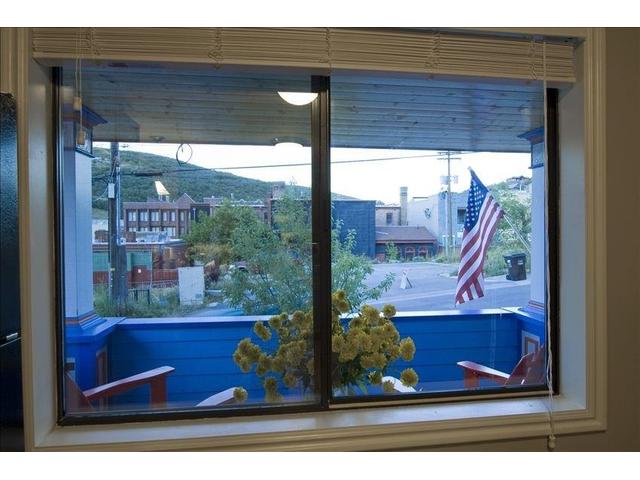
(210, 237)
(278, 274)
(349, 271)
(392, 253)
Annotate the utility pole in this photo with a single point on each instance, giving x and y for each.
(450, 243)
(117, 251)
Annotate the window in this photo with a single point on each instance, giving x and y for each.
(205, 295)
(415, 161)
(389, 218)
(248, 264)
(144, 216)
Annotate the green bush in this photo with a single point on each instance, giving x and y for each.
(164, 302)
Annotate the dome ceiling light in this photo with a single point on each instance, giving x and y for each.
(298, 98)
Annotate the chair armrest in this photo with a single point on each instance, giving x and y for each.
(398, 386)
(156, 378)
(222, 398)
(474, 371)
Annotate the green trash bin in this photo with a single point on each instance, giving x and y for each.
(516, 266)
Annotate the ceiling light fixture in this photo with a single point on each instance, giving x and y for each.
(298, 98)
(288, 143)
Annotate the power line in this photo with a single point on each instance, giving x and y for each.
(278, 165)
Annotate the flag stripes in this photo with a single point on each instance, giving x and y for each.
(481, 221)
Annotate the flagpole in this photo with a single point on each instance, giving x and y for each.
(520, 237)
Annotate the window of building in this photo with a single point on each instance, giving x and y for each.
(173, 216)
(144, 216)
(267, 276)
(182, 216)
(461, 214)
(131, 215)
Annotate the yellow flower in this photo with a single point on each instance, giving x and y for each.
(342, 306)
(237, 357)
(244, 365)
(366, 362)
(240, 394)
(244, 345)
(357, 322)
(290, 380)
(375, 378)
(270, 384)
(389, 311)
(275, 322)
(387, 386)
(394, 353)
(407, 349)
(371, 314)
(340, 294)
(262, 331)
(278, 364)
(337, 343)
(409, 377)
(264, 361)
(391, 332)
(379, 360)
(297, 318)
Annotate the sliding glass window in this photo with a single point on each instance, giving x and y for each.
(439, 243)
(235, 243)
(185, 217)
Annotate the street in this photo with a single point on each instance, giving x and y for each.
(431, 289)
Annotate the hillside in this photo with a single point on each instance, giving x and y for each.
(197, 182)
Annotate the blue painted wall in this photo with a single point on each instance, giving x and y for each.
(358, 215)
(201, 351)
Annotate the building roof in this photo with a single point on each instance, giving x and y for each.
(404, 234)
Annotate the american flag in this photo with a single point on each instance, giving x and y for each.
(480, 223)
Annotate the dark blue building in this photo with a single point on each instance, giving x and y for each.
(360, 216)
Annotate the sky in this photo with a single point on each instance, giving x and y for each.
(369, 180)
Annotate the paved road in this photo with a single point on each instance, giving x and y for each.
(432, 289)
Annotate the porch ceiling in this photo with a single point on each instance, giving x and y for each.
(162, 105)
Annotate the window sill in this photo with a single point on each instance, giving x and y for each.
(354, 429)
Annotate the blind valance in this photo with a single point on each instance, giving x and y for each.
(328, 49)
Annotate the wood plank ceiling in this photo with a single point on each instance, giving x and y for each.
(162, 105)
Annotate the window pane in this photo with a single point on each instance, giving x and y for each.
(424, 307)
(208, 308)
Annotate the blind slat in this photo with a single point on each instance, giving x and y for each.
(335, 49)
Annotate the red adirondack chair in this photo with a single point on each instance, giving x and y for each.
(530, 370)
(81, 401)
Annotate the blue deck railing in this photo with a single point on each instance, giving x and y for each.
(200, 350)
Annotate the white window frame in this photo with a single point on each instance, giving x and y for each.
(581, 406)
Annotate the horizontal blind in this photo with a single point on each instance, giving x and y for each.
(329, 49)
